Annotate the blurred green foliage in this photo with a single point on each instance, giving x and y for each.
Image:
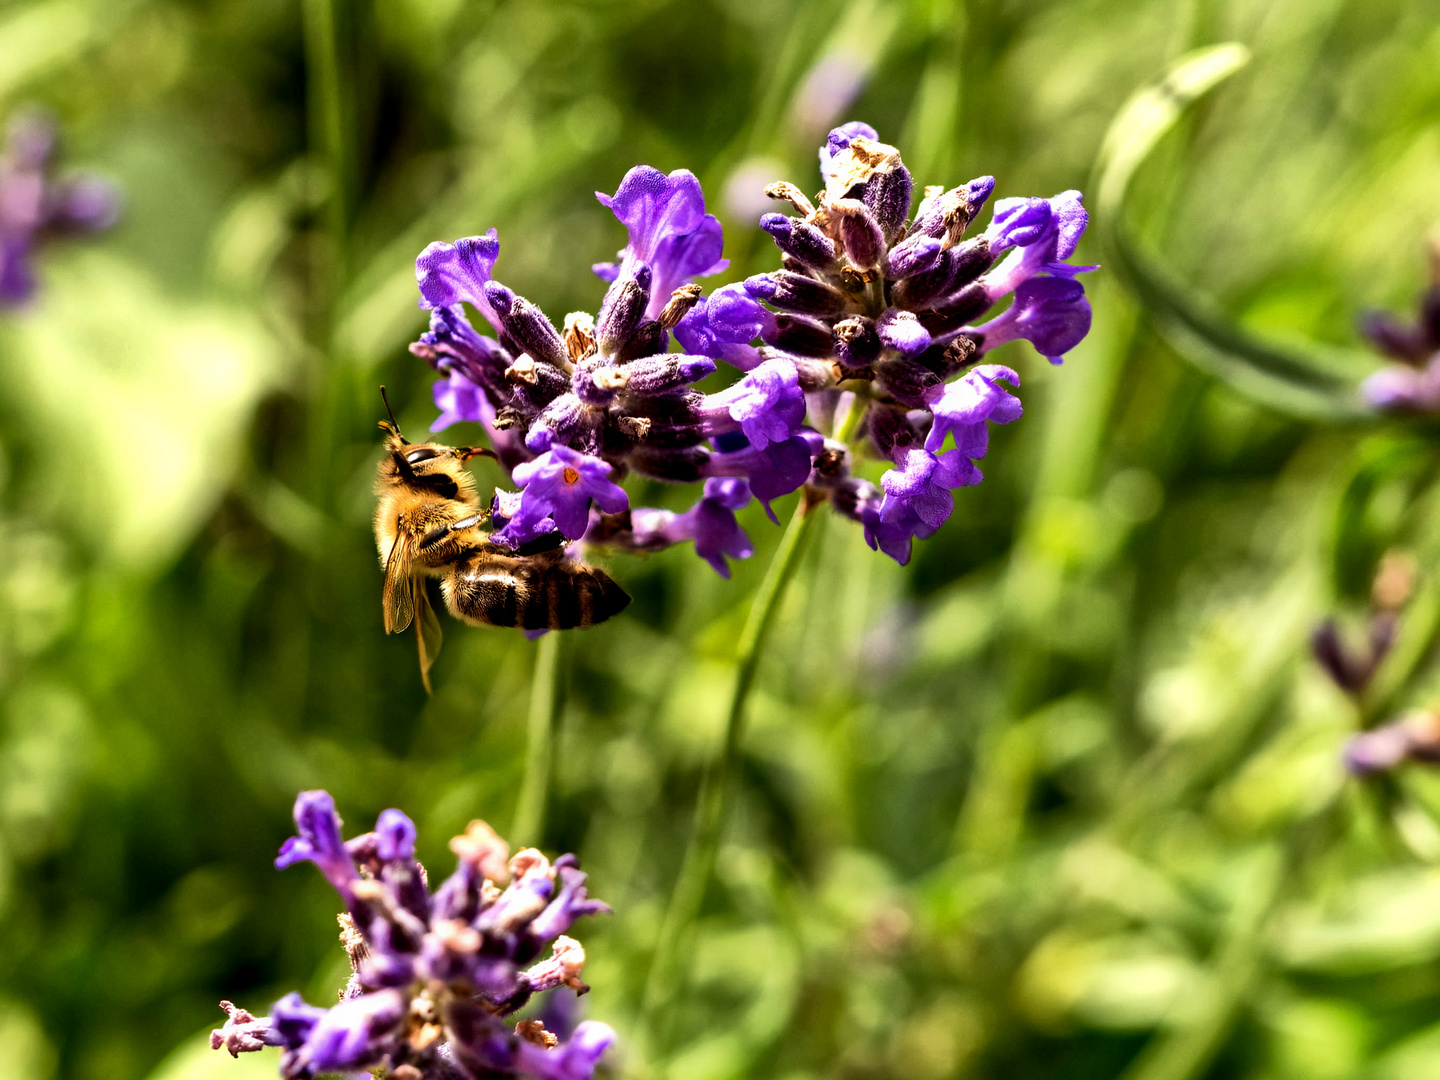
(1062, 798)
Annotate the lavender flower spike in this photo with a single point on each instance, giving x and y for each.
(434, 975)
(879, 310)
(573, 408)
(1412, 383)
(35, 206)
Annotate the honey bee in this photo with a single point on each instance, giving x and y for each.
(429, 524)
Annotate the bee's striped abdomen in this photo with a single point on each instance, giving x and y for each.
(538, 592)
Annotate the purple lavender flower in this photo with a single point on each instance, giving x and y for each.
(879, 308)
(319, 842)
(435, 972)
(1049, 312)
(670, 232)
(1414, 737)
(767, 405)
(921, 488)
(710, 524)
(572, 411)
(962, 407)
(559, 484)
(35, 206)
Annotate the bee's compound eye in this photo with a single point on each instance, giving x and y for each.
(420, 453)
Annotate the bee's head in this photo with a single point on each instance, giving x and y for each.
(431, 466)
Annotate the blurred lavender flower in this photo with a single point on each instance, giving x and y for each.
(36, 206)
(1415, 737)
(1412, 385)
(573, 412)
(434, 972)
(828, 90)
(1352, 668)
(879, 311)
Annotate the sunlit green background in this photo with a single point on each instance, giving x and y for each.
(1060, 799)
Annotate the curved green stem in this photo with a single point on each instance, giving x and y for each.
(539, 744)
(666, 977)
(1316, 382)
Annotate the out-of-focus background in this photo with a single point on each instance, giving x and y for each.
(1060, 799)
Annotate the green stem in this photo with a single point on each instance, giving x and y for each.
(539, 745)
(327, 136)
(327, 120)
(665, 977)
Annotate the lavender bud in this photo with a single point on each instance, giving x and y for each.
(902, 332)
(856, 342)
(787, 289)
(680, 406)
(947, 215)
(660, 434)
(598, 383)
(1377, 751)
(851, 495)
(860, 233)
(1430, 313)
(526, 325)
(915, 255)
(801, 241)
(887, 195)
(960, 310)
(797, 334)
(566, 420)
(1396, 338)
(680, 466)
(670, 371)
(648, 339)
(907, 381)
(956, 268)
(622, 310)
(813, 374)
(891, 429)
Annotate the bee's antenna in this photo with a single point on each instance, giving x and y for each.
(394, 424)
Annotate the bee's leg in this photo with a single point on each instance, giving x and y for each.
(441, 532)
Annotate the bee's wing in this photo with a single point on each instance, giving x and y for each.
(397, 597)
(427, 630)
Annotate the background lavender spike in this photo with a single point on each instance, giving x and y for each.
(36, 205)
(433, 973)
